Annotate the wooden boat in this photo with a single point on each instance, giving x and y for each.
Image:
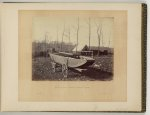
(71, 60)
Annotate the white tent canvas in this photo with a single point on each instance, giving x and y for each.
(79, 47)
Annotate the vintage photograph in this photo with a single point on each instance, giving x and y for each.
(67, 52)
(72, 46)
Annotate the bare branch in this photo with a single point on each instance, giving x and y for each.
(63, 36)
(77, 33)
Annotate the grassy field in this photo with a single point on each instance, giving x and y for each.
(101, 70)
(104, 63)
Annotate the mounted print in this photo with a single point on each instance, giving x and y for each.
(73, 57)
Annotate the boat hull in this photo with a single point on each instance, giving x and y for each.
(81, 62)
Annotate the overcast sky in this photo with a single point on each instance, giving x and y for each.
(50, 25)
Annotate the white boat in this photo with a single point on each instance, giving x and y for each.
(71, 60)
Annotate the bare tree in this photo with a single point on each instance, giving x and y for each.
(99, 35)
(67, 34)
(46, 37)
(57, 37)
(109, 39)
(102, 38)
(89, 24)
(77, 34)
(63, 33)
(89, 32)
(69, 38)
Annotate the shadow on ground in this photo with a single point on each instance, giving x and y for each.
(42, 70)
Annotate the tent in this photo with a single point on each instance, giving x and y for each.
(80, 47)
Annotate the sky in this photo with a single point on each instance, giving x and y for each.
(52, 27)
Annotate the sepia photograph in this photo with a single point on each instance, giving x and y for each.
(69, 52)
(72, 46)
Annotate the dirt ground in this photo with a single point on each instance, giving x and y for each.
(101, 70)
